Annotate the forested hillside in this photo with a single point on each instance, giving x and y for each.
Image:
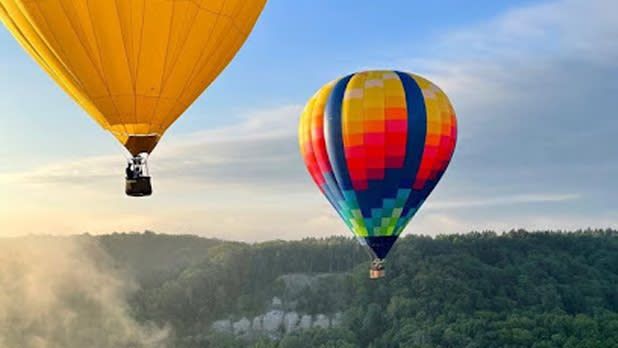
(148, 290)
(520, 289)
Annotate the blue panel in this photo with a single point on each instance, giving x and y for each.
(334, 137)
(417, 131)
(331, 197)
(331, 188)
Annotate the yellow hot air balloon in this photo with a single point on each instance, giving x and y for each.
(133, 65)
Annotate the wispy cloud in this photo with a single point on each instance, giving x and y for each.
(261, 149)
(505, 200)
(539, 53)
(433, 223)
(572, 29)
(245, 181)
(534, 92)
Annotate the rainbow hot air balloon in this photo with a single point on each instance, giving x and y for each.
(376, 143)
(133, 65)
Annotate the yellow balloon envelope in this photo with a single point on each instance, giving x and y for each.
(133, 65)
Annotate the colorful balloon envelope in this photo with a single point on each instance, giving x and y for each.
(376, 143)
(133, 65)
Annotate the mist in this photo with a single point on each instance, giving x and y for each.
(65, 292)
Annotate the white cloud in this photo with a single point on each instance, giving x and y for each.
(576, 29)
(535, 54)
(504, 200)
(434, 223)
(261, 148)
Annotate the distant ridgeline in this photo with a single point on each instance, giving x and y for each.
(518, 289)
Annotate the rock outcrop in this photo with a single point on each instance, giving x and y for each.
(241, 327)
(272, 321)
(222, 326)
(290, 321)
(282, 318)
(276, 322)
(321, 321)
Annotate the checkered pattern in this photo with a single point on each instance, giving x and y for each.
(374, 126)
(376, 143)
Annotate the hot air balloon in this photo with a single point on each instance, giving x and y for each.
(133, 65)
(376, 143)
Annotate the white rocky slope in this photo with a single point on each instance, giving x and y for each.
(276, 321)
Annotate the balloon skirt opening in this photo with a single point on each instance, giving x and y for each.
(137, 144)
(138, 187)
(380, 245)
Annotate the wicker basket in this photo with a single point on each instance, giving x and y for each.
(138, 187)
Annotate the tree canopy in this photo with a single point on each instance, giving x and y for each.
(481, 289)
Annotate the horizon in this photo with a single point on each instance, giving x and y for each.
(585, 231)
(532, 84)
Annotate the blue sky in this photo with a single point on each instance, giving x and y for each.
(533, 85)
(295, 47)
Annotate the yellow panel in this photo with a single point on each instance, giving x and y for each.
(304, 131)
(133, 65)
(352, 109)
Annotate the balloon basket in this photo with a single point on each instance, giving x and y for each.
(138, 187)
(137, 183)
(376, 273)
(377, 269)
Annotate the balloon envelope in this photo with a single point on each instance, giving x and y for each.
(376, 143)
(133, 65)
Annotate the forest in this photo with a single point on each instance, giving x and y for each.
(538, 289)
(481, 289)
